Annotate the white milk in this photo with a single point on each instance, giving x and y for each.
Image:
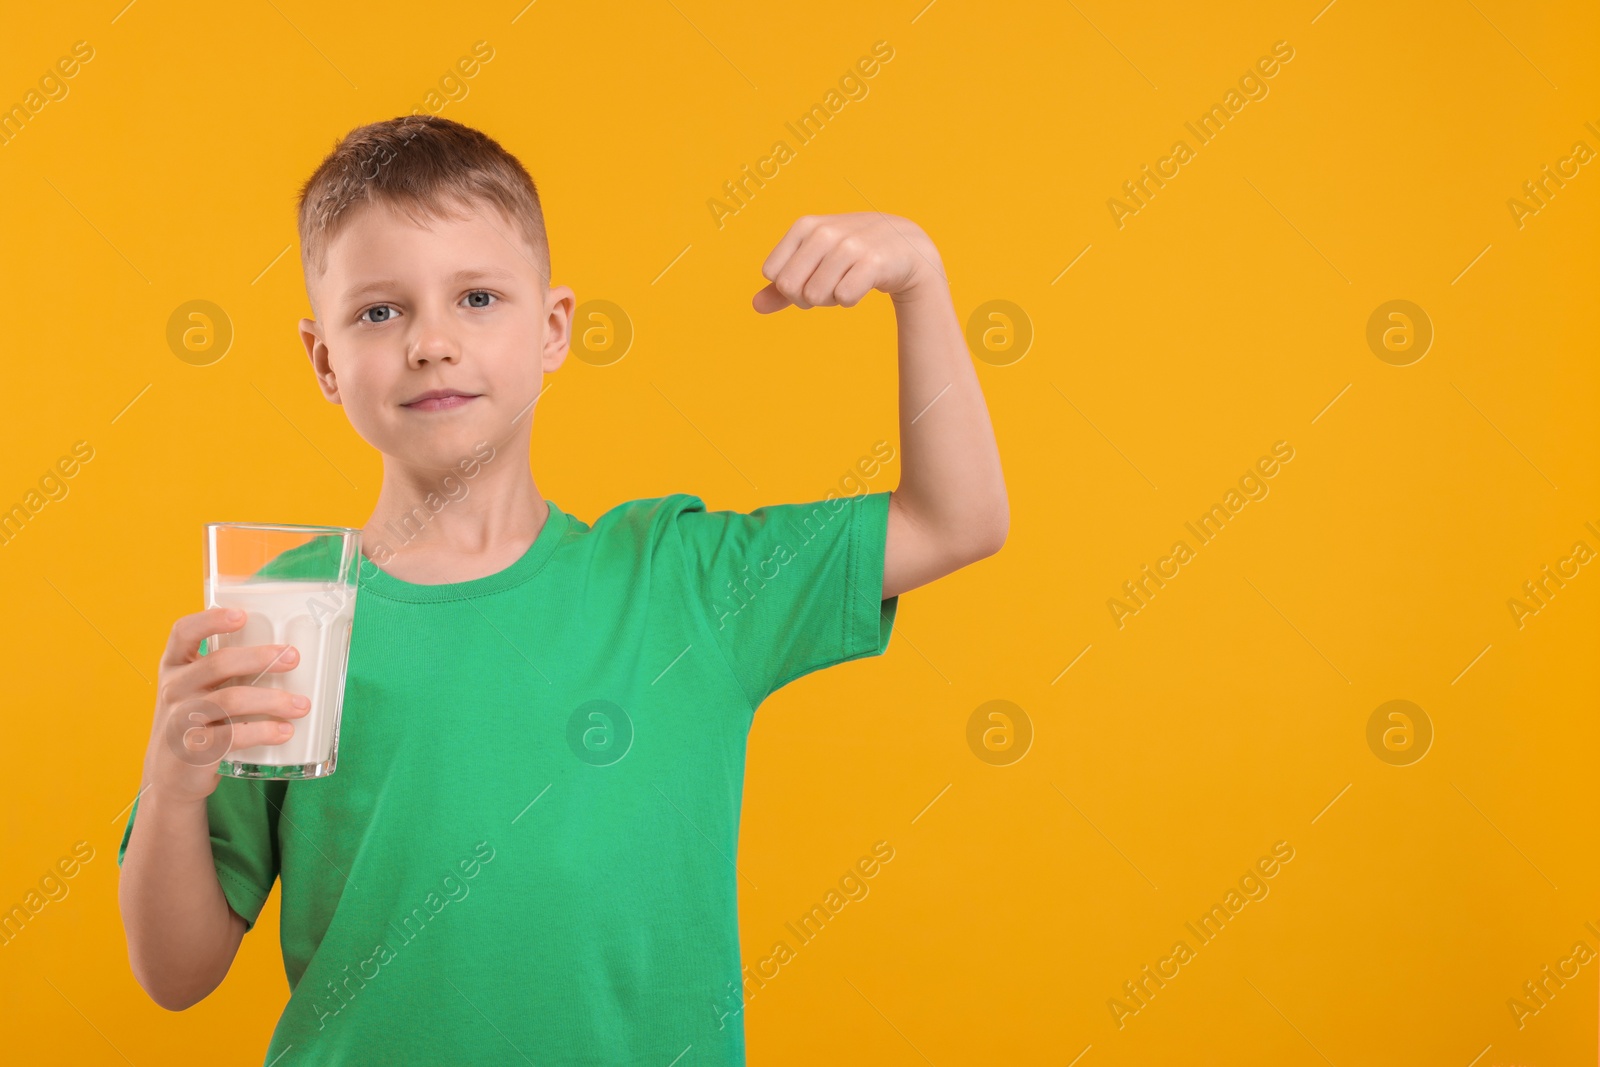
(315, 618)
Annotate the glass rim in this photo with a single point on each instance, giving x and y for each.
(286, 526)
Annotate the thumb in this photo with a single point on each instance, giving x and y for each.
(769, 300)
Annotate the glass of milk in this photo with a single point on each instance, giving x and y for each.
(296, 586)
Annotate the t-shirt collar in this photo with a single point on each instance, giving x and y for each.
(373, 579)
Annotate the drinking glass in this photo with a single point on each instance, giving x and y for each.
(296, 586)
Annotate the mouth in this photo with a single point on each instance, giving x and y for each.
(440, 400)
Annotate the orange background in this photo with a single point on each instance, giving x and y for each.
(1229, 313)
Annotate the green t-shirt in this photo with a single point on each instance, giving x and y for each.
(527, 850)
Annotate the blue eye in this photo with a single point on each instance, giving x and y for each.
(389, 313)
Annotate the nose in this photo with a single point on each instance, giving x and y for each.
(433, 339)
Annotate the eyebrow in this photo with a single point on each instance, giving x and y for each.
(468, 275)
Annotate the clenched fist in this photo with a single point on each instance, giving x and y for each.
(828, 260)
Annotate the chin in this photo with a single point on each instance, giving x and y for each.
(432, 448)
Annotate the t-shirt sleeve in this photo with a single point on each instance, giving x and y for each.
(243, 815)
(788, 589)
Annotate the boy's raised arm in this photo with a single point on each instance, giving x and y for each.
(950, 508)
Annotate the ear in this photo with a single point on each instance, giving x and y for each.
(560, 304)
(317, 349)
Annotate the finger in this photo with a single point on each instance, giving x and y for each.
(857, 282)
(199, 738)
(769, 300)
(819, 289)
(798, 232)
(246, 661)
(239, 700)
(221, 707)
(267, 732)
(183, 646)
(797, 271)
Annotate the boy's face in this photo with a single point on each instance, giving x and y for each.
(407, 309)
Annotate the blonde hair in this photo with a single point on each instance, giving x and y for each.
(424, 166)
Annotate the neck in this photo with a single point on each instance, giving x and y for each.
(495, 511)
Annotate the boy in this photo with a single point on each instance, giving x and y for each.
(527, 853)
